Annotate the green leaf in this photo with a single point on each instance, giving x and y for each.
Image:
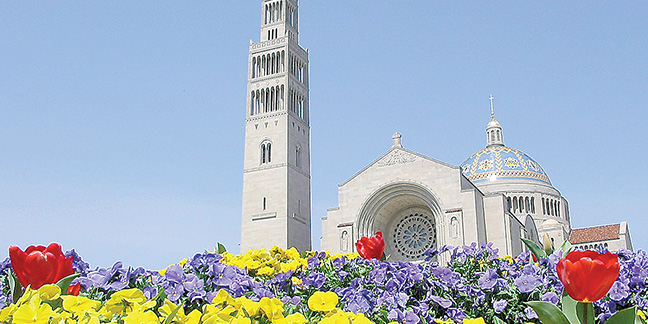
(65, 283)
(535, 249)
(566, 247)
(625, 316)
(15, 287)
(497, 320)
(569, 308)
(173, 314)
(585, 312)
(221, 248)
(548, 313)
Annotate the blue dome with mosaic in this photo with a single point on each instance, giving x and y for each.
(499, 162)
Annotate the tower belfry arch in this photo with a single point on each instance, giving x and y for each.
(276, 177)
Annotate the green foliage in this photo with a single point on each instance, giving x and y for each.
(549, 313)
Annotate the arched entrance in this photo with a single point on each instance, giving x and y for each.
(408, 215)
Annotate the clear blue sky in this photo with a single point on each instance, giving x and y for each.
(122, 123)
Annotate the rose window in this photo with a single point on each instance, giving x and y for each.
(413, 235)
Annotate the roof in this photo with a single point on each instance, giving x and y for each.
(595, 234)
(502, 163)
(397, 151)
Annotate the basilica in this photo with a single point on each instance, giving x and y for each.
(499, 194)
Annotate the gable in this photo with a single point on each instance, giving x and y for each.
(398, 156)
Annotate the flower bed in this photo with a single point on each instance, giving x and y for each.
(282, 286)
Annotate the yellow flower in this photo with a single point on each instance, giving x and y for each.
(272, 308)
(79, 305)
(361, 319)
(33, 312)
(124, 301)
(182, 262)
(215, 314)
(337, 318)
(641, 314)
(474, 321)
(448, 321)
(27, 296)
(180, 317)
(139, 316)
(251, 307)
(6, 312)
(49, 292)
(223, 297)
(266, 271)
(62, 317)
(241, 320)
(323, 301)
(296, 318)
(296, 281)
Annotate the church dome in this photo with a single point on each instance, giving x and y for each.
(494, 123)
(502, 163)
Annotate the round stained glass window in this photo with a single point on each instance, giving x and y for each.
(413, 235)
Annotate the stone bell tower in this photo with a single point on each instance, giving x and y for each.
(276, 175)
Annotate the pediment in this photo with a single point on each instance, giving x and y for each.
(396, 157)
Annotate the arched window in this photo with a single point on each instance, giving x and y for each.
(527, 208)
(508, 204)
(533, 205)
(266, 152)
(515, 204)
(253, 66)
(263, 153)
(272, 69)
(298, 161)
(266, 107)
(252, 103)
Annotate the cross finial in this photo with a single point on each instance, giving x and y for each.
(492, 109)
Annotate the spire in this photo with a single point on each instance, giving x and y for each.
(494, 134)
(492, 109)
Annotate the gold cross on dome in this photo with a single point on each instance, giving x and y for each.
(492, 109)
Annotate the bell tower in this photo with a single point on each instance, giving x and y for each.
(276, 174)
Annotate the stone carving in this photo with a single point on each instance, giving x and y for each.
(396, 157)
(344, 241)
(454, 228)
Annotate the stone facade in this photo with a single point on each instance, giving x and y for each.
(498, 195)
(276, 177)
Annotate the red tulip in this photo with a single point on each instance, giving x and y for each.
(588, 275)
(74, 289)
(38, 266)
(372, 247)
